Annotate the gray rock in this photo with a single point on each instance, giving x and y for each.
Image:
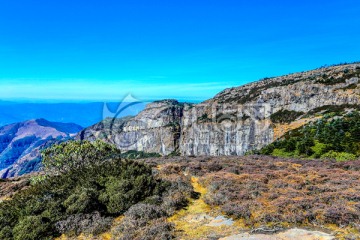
(291, 234)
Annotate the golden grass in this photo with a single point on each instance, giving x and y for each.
(80, 237)
(341, 233)
(197, 206)
(281, 129)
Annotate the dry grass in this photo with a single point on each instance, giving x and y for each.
(8, 187)
(266, 191)
(281, 128)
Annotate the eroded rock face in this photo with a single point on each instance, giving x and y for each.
(226, 130)
(237, 119)
(155, 129)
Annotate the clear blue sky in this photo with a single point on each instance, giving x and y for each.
(188, 49)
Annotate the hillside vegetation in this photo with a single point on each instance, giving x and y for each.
(335, 136)
(180, 197)
(85, 186)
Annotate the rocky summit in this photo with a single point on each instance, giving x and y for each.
(20, 144)
(238, 119)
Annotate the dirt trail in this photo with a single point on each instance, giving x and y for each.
(199, 220)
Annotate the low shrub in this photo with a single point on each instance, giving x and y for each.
(339, 156)
(291, 192)
(285, 116)
(81, 193)
(76, 224)
(32, 227)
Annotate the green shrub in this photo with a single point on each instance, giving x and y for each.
(339, 156)
(32, 228)
(6, 233)
(121, 194)
(81, 200)
(62, 158)
(281, 153)
(318, 149)
(80, 196)
(304, 146)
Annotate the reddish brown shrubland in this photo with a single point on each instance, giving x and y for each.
(265, 190)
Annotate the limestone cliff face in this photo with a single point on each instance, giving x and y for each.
(240, 119)
(237, 119)
(155, 129)
(208, 130)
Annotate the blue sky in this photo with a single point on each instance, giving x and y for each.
(101, 50)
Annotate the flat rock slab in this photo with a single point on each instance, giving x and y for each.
(220, 221)
(291, 234)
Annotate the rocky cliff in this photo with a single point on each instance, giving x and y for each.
(237, 119)
(155, 129)
(20, 144)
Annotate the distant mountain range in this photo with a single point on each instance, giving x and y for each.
(20, 144)
(83, 114)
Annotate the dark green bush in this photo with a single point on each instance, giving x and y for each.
(32, 228)
(77, 196)
(285, 116)
(71, 155)
(81, 200)
(6, 233)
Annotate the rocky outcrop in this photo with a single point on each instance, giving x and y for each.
(237, 119)
(20, 144)
(155, 129)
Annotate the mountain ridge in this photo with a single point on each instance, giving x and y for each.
(238, 119)
(20, 144)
